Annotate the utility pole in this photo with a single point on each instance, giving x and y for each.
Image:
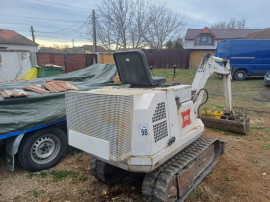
(94, 31)
(33, 35)
(33, 55)
(72, 43)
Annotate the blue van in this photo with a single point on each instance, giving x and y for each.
(248, 57)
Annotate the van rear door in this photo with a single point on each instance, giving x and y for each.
(263, 58)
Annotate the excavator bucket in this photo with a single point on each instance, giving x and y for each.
(235, 126)
(237, 122)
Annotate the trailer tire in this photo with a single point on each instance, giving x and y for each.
(240, 75)
(42, 149)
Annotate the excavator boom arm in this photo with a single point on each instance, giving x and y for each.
(209, 65)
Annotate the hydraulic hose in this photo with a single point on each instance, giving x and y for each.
(197, 94)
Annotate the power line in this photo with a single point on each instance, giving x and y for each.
(60, 29)
(37, 19)
(86, 20)
(29, 6)
(74, 25)
(63, 5)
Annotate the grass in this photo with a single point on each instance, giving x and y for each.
(227, 178)
(259, 137)
(249, 94)
(61, 175)
(259, 128)
(222, 188)
(83, 177)
(195, 192)
(35, 193)
(31, 175)
(57, 175)
(81, 157)
(227, 132)
(43, 174)
(266, 146)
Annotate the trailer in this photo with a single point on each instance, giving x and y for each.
(33, 128)
(38, 148)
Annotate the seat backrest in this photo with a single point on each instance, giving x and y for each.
(133, 68)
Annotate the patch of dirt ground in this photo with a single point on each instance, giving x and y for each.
(242, 174)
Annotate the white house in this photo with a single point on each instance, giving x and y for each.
(17, 55)
(12, 40)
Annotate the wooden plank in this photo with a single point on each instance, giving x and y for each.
(37, 89)
(59, 86)
(13, 93)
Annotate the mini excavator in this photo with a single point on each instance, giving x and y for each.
(148, 127)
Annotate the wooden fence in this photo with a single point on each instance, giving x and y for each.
(71, 62)
(164, 59)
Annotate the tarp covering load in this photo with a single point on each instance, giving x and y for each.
(20, 113)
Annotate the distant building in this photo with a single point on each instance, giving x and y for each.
(261, 34)
(74, 50)
(202, 41)
(11, 40)
(49, 50)
(90, 49)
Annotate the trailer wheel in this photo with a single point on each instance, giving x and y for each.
(105, 172)
(240, 75)
(43, 149)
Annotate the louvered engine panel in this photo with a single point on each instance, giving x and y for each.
(107, 117)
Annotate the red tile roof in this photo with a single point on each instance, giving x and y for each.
(12, 37)
(262, 34)
(222, 33)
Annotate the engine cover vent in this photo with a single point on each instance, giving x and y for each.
(159, 122)
(160, 130)
(108, 117)
(160, 112)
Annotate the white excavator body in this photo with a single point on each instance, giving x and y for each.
(133, 128)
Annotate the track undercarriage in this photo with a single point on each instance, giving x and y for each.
(176, 178)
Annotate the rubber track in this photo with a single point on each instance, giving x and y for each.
(155, 183)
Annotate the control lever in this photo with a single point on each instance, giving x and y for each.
(174, 72)
(151, 68)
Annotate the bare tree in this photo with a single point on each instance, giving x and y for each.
(115, 17)
(165, 25)
(106, 35)
(136, 24)
(139, 24)
(231, 24)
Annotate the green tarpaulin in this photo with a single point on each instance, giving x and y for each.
(26, 112)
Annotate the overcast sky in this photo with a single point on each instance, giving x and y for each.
(58, 21)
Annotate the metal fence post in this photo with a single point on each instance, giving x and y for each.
(66, 63)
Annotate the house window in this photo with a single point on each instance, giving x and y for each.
(204, 39)
(210, 41)
(198, 40)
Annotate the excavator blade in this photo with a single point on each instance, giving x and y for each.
(235, 126)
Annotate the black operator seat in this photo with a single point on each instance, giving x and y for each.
(133, 69)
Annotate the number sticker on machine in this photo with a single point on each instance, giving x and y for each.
(143, 130)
